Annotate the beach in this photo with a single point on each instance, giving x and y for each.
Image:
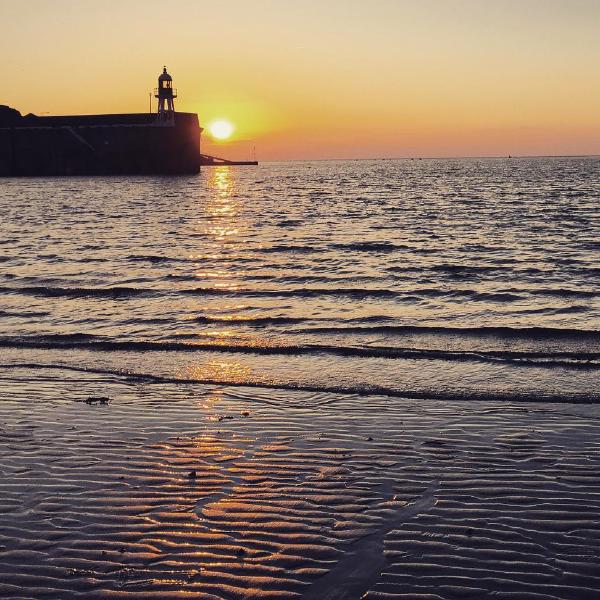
(317, 380)
(172, 491)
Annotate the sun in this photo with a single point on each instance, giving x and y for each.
(221, 129)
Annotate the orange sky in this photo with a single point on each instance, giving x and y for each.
(316, 79)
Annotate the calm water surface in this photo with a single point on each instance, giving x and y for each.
(430, 278)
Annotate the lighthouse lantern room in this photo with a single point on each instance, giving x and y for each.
(165, 95)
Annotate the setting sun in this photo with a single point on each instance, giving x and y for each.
(221, 130)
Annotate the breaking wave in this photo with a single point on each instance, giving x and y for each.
(82, 341)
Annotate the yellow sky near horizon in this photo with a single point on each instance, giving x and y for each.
(323, 80)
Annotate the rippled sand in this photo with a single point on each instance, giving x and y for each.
(173, 491)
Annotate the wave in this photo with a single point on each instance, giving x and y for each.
(453, 268)
(348, 247)
(250, 320)
(523, 333)
(510, 295)
(25, 314)
(363, 293)
(370, 247)
(356, 390)
(74, 292)
(129, 292)
(566, 293)
(290, 222)
(153, 258)
(81, 341)
(296, 249)
(568, 310)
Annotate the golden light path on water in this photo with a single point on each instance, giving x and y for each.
(221, 221)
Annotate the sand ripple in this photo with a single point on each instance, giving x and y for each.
(173, 490)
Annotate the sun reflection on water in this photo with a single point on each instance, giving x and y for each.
(222, 220)
(223, 226)
(218, 370)
(222, 181)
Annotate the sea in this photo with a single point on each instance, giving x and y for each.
(443, 279)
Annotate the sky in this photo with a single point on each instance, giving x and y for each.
(317, 79)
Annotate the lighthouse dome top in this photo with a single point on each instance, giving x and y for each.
(165, 76)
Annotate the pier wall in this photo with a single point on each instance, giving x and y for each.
(100, 145)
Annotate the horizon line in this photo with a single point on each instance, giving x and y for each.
(457, 157)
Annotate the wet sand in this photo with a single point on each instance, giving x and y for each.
(176, 491)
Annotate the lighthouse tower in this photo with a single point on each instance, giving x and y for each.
(165, 94)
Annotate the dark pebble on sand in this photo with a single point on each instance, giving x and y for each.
(97, 400)
(192, 474)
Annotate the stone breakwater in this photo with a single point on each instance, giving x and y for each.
(97, 144)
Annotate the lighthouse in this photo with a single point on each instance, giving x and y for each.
(165, 94)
